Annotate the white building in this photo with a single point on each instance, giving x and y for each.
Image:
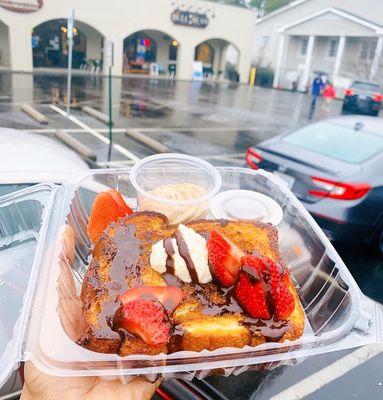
(341, 38)
(173, 34)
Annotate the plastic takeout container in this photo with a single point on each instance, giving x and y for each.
(39, 288)
(186, 185)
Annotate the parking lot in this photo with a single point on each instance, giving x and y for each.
(217, 122)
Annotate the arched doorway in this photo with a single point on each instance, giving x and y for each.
(50, 45)
(219, 59)
(4, 45)
(143, 48)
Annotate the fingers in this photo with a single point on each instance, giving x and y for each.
(137, 389)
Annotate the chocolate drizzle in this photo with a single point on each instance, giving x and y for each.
(185, 254)
(125, 259)
(272, 330)
(169, 250)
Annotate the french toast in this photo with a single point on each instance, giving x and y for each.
(208, 317)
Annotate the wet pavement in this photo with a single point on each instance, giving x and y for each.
(217, 122)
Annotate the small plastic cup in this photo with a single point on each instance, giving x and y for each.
(177, 185)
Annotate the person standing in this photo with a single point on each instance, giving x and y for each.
(328, 95)
(316, 90)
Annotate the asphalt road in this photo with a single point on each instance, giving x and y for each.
(217, 122)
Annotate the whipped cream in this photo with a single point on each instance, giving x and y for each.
(176, 213)
(184, 255)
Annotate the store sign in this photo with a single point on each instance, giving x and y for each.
(188, 18)
(22, 6)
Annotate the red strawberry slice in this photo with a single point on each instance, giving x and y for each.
(263, 289)
(250, 290)
(147, 320)
(107, 207)
(284, 302)
(168, 296)
(224, 258)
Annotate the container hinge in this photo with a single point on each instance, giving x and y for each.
(364, 322)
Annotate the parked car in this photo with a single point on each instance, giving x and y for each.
(363, 97)
(335, 168)
(27, 159)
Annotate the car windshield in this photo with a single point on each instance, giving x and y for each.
(338, 142)
(365, 86)
(13, 187)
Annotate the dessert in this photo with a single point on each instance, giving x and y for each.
(153, 287)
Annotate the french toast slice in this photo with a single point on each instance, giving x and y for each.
(121, 260)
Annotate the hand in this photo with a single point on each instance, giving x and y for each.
(39, 386)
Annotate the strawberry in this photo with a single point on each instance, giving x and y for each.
(262, 289)
(168, 296)
(224, 258)
(250, 291)
(147, 320)
(107, 207)
(284, 302)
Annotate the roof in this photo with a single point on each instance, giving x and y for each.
(337, 11)
(281, 10)
(30, 157)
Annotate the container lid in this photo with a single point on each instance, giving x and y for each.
(246, 204)
(22, 217)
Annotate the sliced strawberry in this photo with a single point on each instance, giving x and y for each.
(168, 296)
(284, 302)
(224, 258)
(147, 320)
(107, 207)
(269, 280)
(250, 290)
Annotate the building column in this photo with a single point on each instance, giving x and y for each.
(278, 66)
(185, 59)
(244, 65)
(339, 55)
(376, 60)
(218, 61)
(22, 88)
(20, 46)
(118, 53)
(306, 73)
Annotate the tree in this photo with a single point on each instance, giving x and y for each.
(270, 5)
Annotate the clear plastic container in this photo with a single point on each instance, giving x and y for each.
(177, 185)
(42, 306)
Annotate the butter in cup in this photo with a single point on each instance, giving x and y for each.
(176, 185)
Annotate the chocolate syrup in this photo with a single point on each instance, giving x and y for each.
(169, 250)
(125, 259)
(185, 254)
(172, 280)
(270, 329)
(176, 336)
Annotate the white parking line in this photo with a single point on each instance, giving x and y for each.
(94, 132)
(326, 375)
(76, 130)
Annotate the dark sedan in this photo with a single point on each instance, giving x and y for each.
(335, 167)
(362, 97)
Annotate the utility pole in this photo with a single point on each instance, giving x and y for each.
(108, 59)
(70, 26)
